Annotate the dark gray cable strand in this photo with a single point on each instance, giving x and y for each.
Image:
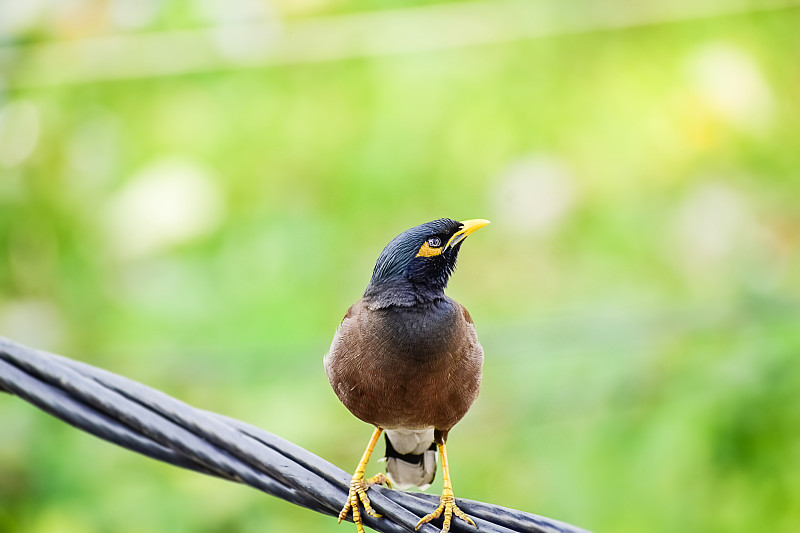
(152, 423)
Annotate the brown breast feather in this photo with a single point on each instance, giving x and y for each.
(406, 369)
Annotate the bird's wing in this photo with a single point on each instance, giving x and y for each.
(348, 316)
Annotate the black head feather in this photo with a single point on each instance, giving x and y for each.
(401, 277)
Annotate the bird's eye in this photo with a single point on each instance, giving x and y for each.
(434, 242)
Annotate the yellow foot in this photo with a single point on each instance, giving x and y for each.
(358, 492)
(449, 507)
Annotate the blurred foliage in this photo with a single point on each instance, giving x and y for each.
(637, 294)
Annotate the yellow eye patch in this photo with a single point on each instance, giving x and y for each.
(426, 250)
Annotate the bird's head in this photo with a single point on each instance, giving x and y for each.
(416, 265)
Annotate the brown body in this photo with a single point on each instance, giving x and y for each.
(407, 367)
(406, 359)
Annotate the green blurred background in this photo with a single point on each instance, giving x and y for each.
(193, 193)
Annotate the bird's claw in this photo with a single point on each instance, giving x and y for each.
(447, 506)
(358, 492)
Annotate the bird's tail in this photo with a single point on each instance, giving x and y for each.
(410, 457)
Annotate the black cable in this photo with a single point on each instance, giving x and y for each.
(152, 423)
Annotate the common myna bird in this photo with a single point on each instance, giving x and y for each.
(406, 359)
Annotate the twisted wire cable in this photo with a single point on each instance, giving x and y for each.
(147, 421)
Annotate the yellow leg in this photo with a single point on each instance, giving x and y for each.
(447, 501)
(359, 486)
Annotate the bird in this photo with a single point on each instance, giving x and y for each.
(406, 359)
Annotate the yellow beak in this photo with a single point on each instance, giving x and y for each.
(467, 227)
